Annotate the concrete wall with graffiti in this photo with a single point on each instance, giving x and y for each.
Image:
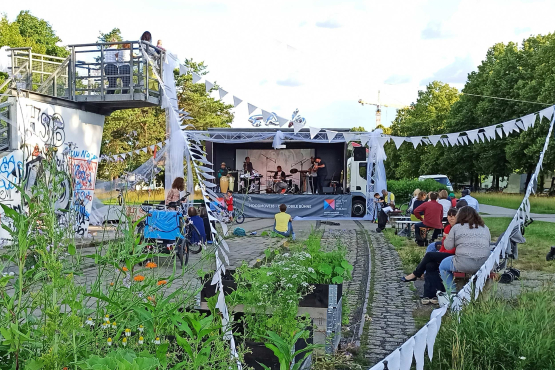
(77, 135)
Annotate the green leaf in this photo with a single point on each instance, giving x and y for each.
(34, 365)
(337, 280)
(325, 268)
(71, 249)
(339, 270)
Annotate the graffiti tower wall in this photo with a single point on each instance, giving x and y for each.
(77, 136)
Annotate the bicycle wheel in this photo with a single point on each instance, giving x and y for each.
(240, 218)
(193, 235)
(182, 251)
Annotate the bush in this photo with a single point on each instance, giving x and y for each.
(403, 189)
(497, 334)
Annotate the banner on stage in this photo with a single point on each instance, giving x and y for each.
(267, 205)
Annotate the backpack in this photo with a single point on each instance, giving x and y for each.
(238, 231)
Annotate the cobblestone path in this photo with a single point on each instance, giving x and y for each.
(392, 303)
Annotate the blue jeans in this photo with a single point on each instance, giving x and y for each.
(431, 247)
(289, 231)
(446, 269)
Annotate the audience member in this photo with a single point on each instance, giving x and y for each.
(389, 197)
(438, 246)
(199, 237)
(472, 202)
(229, 202)
(283, 223)
(470, 238)
(445, 203)
(453, 200)
(434, 215)
(461, 203)
(419, 200)
(178, 186)
(203, 213)
(413, 199)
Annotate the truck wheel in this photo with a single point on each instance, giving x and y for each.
(358, 208)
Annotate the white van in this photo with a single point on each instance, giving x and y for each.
(442, 179)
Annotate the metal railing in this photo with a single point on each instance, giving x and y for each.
(4, 126)
(97, 72)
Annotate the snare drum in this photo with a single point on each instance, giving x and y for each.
(224, 183)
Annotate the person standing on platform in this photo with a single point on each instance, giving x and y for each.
(322, 173)
(247, 166)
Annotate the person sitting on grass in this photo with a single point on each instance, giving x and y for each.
(283, 223)
(434, 215)
(200, 236)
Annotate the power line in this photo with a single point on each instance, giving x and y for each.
(496, 97)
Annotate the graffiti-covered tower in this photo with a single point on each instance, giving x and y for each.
(57, 103)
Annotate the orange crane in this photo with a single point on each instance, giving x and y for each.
(378, 106)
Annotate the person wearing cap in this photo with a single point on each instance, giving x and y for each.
(453, 199)
(472, 202)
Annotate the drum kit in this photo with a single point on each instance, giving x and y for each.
(286, 185)
(250, 182)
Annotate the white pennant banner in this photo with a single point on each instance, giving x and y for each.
(529, 120)
(209, 85)
(406, 354)
(453, 138)
(547, 113)
(196, 77)
(282, 121)
(331, 135)
(416, 140)
(297, 126)
(472, 135)
(222, 93)
(364, 139)
(313, 131)
(349, 136)
(398, 140)
(252, 108)
(265, 114)
(434, 139)
(236, 101)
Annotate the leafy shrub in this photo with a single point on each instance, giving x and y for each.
(403, 189)
(498, 334)
(121, 360)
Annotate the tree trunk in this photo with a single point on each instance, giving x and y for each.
(497, 183)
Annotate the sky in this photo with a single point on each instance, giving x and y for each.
(320, 56)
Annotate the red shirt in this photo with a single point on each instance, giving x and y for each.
(433, 212)
(229, 202)
(442, 248)
(453, 202)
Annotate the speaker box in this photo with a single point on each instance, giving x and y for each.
(359, 153)
(327, 190)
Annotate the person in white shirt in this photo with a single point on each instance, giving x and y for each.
(472, 202)
(445, 203)
(124, 69)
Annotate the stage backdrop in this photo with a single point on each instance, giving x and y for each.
(267, 205)
(286, 158)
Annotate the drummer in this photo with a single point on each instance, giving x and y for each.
(279, 179)
(222, 172)
(247, 165)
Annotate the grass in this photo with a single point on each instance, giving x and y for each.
(495, 334)
(540, 236)
(410, 253)
(543, 205)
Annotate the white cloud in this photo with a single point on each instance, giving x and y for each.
(329, 23)
(434, 30)
(454, 73)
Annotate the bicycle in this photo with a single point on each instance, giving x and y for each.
(223, 215)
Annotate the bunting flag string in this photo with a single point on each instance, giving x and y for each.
(401, 358)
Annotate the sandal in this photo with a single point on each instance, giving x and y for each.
(405, 280)
(434, 301)
(425, 301)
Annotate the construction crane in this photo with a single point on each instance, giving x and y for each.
(378, 106)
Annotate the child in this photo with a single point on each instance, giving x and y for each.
(229, 202)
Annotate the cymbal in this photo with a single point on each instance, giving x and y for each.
(294, 170)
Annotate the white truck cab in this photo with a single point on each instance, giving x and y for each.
(442, 179)
(356, 182)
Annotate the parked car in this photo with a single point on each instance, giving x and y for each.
(442, 179)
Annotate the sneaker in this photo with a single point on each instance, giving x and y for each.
(293, 236)
(425, 301)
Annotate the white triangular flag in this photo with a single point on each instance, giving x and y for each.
(282, 121)
(378, 366)
(349, 136)
(393, 360)
(209, 85)
(364, 139)
(508, 127)
(196, 77)
(472, 135)
(431, 337)
(222, 93)
(490, 132)
(236, 101)
(406, 354)
(434, 139)
(416, 140)
(382, 140)
(331, 135)
(152, 147)
(159, 145)
(398, 140)
(420, 340)
(297, 126)
(183, 69)
(265, 115)
(252, 108)
(137, 151)
(499, 131)
(453, 138)
(520, 124)
(144, 150)
(313, 131)
(463, 140)
(529, 120)
(547, 113)
(123, 155)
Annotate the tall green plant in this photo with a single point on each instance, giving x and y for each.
(284, 349)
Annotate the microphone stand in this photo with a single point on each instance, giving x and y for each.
(302, 161)
(270, 159)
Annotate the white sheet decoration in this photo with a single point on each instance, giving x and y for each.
(313, 131)
(406, 354)
(331, 135)
(196, 77)
(252, 108)
(236, 101)
(208, 85)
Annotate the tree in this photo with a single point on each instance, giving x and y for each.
(428, 116)
(114, 34)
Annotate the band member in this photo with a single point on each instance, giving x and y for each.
(247, 165)
(312, 176)
(279, 179)
(321, 172)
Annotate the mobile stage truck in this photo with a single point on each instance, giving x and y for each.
(248, 161)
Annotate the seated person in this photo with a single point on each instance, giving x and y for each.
(446, 203)
(420, 199)
(415, 194)
(203, 213)
(383, 211)
(388, 197)
(438, 246)
(452, 199)
(178, 186)
(434, 216)
(283, 223)
(199, 237)
(279, 181)
(470, 238)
